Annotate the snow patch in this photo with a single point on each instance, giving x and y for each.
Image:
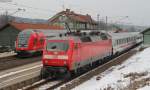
(122, 76)
(145, 88)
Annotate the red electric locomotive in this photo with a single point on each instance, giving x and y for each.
(70, 52)
(31, 41)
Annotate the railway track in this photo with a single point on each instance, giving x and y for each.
(13, 61)
(18, 77)
(77, 80)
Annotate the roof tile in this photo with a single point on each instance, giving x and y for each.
(22, 26)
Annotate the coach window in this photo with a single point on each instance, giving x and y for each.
(123, 40)
(120, 41)
(127, 39)
(117, 42)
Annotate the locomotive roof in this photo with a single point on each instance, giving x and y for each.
(75, 38)
(82, 37)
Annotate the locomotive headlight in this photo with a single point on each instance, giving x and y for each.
(62, 56)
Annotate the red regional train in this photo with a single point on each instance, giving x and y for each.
(71, 52)
(30, 42)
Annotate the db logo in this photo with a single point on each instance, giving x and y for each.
(55, 52)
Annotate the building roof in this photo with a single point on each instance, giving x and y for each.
(22, 26)
(146, 30)
(73, 16)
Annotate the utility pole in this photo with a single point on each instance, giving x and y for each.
(106, 23)
(63, 5)
(98, 20)
(6, 16)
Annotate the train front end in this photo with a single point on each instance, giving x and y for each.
(28, 43)
(57, 57)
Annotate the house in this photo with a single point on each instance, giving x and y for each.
(75, 21)
(9, 32)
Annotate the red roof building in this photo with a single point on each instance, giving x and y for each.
(74, 20)
(23, 26)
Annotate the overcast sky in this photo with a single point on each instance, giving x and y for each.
(116, 10)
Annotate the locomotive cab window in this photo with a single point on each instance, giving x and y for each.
(57, 46)
(23, 38)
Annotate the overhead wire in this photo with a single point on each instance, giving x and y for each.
(30, 7)
(33, 11)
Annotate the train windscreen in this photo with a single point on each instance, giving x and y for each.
(23, 38)
(57, 46)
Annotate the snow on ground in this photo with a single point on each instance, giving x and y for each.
(131, 75)
(6, 54)
(145, 88)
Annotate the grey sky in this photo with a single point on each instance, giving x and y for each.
(137, 10)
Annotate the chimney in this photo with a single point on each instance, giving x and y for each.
(67, 10)
(88, 15)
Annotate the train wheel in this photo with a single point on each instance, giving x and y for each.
(68, 75)
(44, 73)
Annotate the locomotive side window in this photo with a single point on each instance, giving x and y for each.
(57, 46)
